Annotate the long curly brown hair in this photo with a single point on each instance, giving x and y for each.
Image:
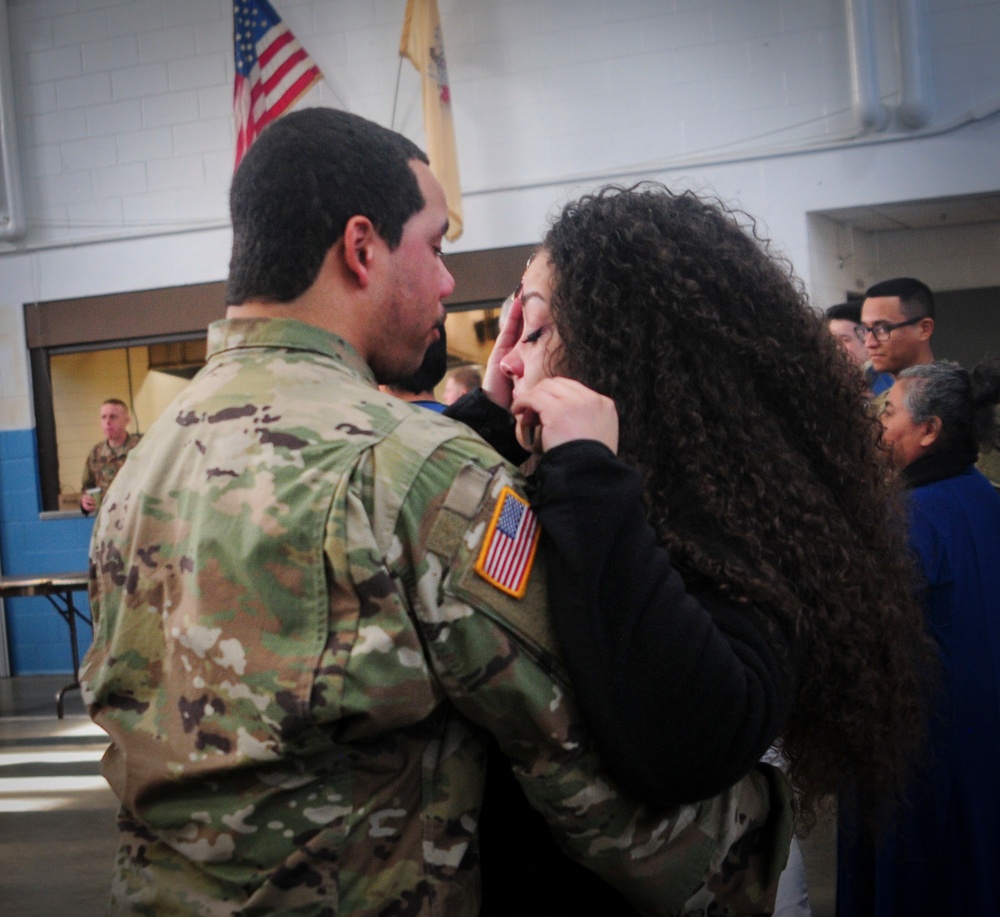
(763, 472)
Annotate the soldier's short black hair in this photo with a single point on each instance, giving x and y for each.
(306, 175)
(915, 298)
(845, 311)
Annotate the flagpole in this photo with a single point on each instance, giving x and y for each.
(395, 98)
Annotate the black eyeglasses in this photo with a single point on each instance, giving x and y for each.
(882, 330)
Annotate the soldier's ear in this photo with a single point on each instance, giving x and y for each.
(360, 241)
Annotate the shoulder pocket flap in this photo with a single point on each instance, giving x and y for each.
(457, 536)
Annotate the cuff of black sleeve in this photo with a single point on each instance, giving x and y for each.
(492, 422)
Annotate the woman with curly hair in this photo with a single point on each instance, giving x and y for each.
(726, 553)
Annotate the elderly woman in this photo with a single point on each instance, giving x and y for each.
(726, 561)
(942, 854)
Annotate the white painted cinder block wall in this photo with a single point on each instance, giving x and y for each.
(123, 117)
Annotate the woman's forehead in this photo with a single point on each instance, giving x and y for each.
(536, 308)
(538, 274)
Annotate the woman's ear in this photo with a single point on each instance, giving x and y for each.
(930, 432)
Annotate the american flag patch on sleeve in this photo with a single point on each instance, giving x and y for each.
(509, 546)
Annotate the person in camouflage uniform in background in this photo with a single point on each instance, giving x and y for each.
(106, 458)
(298, 645)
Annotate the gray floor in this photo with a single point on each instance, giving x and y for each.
(57, 815)
(57, 830)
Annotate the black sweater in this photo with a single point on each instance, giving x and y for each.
(683, 692)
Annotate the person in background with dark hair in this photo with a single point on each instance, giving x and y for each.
(897, 321)
(419, 388)
(706, 502)
(316, 605)
(843, 321)
(108, 456)
(942, 851)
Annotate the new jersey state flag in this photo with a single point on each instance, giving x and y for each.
(423, 43)
(509, 546)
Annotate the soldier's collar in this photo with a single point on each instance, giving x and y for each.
(287, 333)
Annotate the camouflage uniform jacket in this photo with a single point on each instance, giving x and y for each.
(295, 660)
(105, 461)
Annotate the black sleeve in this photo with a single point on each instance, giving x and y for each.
(682, 692)
(490, 421)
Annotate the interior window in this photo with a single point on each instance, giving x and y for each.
(143, 346)
(146, 377)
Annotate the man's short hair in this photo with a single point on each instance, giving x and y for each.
(306, 175)
(845, 311)
(115, 401)
(468, 377)
(915, 298)
(431, 370)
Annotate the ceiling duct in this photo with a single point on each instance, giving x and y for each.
(868, 108)
(12, 220)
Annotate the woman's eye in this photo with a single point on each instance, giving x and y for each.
(531, 338)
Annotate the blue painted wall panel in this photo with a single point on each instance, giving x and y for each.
(36, 634)
(39, 637)
(16, 444)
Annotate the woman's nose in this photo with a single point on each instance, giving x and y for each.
(512, 365)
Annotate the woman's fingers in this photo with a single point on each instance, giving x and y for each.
(559, 410)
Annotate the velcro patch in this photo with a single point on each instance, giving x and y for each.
(510, 544)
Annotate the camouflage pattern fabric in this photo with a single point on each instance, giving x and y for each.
(105, 461)
(295, 660)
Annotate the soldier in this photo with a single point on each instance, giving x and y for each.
(314, 603)
(108, 456)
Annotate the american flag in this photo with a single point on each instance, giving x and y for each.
(509, 548)
(272, 70)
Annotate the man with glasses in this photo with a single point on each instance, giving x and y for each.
(897, 321)
(843, 322)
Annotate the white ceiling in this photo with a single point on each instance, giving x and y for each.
(944, 211)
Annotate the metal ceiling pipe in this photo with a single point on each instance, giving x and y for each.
(13, 224)
(871, 114)
(915, 106)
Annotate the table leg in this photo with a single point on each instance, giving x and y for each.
(69, 614)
